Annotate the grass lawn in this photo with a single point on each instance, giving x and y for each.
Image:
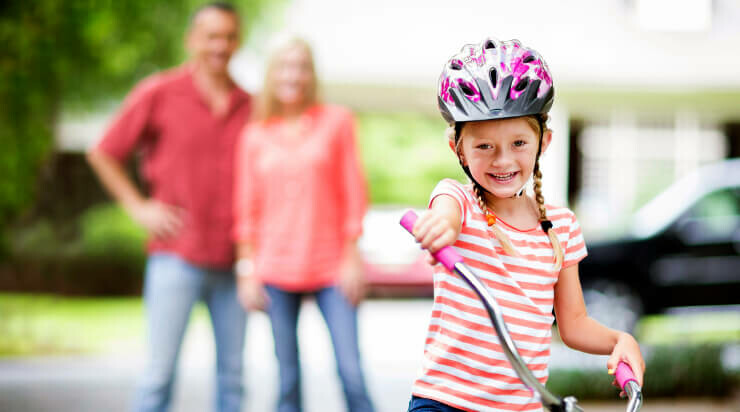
(46, 325)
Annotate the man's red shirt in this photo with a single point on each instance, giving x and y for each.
(187, 159)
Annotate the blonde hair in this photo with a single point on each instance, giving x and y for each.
(540, 127)
(267, 103)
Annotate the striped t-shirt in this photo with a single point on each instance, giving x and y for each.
(464, 365)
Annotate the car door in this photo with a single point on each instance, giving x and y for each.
(704, 267)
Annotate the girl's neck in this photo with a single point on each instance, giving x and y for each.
(518, 211)
(505, 206)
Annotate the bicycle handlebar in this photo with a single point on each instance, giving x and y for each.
(455, 263)
(446, 256)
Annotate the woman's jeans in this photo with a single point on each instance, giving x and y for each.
(171, 288)
(341, 318)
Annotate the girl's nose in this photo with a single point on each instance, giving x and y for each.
(501, 158)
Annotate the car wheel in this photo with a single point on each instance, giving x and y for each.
(613, 304)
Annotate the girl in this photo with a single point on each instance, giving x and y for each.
(495, 96)
(299, 203)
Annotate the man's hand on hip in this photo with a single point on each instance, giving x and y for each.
(159, 219)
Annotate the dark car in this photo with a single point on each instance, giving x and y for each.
(683, 250)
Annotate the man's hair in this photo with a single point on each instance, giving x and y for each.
(223, 6)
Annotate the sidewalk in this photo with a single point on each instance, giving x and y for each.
(392, 336)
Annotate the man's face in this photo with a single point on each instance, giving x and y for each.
(213, 39)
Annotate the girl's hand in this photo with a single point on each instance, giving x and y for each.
(434, 231)
(626, 350)
(251, 293)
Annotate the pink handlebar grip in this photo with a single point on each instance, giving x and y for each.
(624, 374)
(446, 256)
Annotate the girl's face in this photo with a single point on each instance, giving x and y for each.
(501, 153)
(293, 76)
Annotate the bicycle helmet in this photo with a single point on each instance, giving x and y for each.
(494, 80)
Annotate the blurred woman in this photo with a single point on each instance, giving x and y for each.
(299, 202)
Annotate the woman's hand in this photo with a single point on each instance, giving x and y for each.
(352, 277)
(626, 350)
(251, 293)
(433, 230)
(159, 219)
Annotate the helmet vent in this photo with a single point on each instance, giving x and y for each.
(490, 45)
(528, 59)
(522, 84)
(456, 65)
(492, 74)
(466, 89)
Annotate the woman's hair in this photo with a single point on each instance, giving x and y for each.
(267, 103)
(539, 125)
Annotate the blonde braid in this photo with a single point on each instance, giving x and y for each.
(546, 224)
(497, 233)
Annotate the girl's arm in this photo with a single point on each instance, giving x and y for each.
(440, 225)
(583, 333)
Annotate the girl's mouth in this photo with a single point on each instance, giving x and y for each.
(503, 178)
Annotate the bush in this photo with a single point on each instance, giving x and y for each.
(671, 371)
(100, 253)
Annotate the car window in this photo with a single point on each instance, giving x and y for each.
(714, 218)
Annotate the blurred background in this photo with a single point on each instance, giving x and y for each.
(645, 151)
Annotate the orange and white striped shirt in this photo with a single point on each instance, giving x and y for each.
(464, 365)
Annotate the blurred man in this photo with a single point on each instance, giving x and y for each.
(184, 122)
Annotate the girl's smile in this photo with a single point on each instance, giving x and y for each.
(503, 178)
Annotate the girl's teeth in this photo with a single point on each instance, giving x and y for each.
(506, 176)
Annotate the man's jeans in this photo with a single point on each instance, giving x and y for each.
(341, 318)
(172, 286)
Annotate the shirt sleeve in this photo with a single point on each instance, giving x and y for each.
(352, 178)
(454, 190)
(132, 122)
(246, 206)
(575, 248)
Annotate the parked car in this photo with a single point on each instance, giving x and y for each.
(683, 249)
(395, 266)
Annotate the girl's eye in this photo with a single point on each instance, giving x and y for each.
(483, 146)
(519, 143)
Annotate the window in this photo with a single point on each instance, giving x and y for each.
(715, 218)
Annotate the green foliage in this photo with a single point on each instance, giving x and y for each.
(693, 371)
(100, 253)
(75, 53)
(101, 231)
(405, 155)
(689, 370)
(108, 231)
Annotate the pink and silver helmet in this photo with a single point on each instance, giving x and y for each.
(494, 80)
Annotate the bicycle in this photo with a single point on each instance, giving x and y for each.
(448, 257)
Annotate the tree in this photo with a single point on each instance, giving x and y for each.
(75, 53)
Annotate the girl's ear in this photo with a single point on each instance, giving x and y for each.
(459, 155)
(546, 139)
